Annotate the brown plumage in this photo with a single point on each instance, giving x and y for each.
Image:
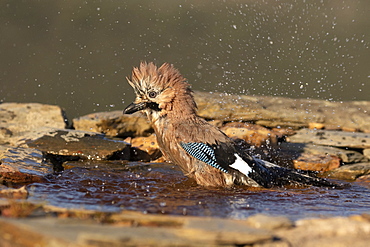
(177, 120)
(201, 150)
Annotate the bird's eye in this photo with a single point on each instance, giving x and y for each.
(152, 94)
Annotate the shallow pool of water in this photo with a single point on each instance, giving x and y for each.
(162, 189)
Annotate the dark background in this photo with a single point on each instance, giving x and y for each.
(76, 54)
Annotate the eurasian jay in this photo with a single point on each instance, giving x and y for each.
(202, 151)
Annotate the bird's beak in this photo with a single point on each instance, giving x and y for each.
(133, 107)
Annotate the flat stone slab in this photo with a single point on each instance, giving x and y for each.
(16, 118)
(347, 156)
(114, 123)
(367, 153)
(335, 231)
(22, 165)
(332, 138)
(40, 152)
(313, 162)
(190, 231)
(253, 134)
(279, 111)
(262, 221)
(350, 172)
(82, 144)
(76, 227)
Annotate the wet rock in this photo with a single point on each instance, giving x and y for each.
(350, 172)
(283, 132)
(78, 227)
(317, 126)
(347, 156)
(21, 209)
(16, 118)
(5, 134)
(75, 143)
(251, 133)
(365, 180)
(367, 153)
(145, 148)
(278, 111)
(262, 221)
(336, 231)
(12, 193)
(332, 138)
(22, 165)
(312, 162)
(114, 123)
(149, 230)
(223, 232)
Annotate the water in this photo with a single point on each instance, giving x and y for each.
(162, 189)
(76, 54)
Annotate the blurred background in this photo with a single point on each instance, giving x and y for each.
(76, 54)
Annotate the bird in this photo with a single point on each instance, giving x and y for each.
(201, 150)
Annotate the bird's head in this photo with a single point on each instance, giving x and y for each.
(160, 91)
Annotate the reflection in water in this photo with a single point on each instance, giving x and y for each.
(162, 189)
(77, 53)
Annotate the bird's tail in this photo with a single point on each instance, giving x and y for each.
(270, 175)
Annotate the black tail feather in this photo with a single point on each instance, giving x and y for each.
(270, 175)
(279, 176)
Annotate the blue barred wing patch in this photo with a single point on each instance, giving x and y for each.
(202, 152)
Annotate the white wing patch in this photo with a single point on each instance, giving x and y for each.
(241, 165)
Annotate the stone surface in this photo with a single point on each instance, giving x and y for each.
(367, 153)
(251, 133)
(332, 138)
(347, 156)
(22, 165)
(41, 152)
(336, 231)
(189, 231)
(365, 180)
(145, 148)
(350, 172)
(82, 144)
(222, 232)
(278, 111)
(114, 123)
(77, 227)
(263, 221)
(16, 118)
(12, 193)
(314, 162)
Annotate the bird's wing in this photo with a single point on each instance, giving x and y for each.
(206, 153)
(224, 157)
(229, 159)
